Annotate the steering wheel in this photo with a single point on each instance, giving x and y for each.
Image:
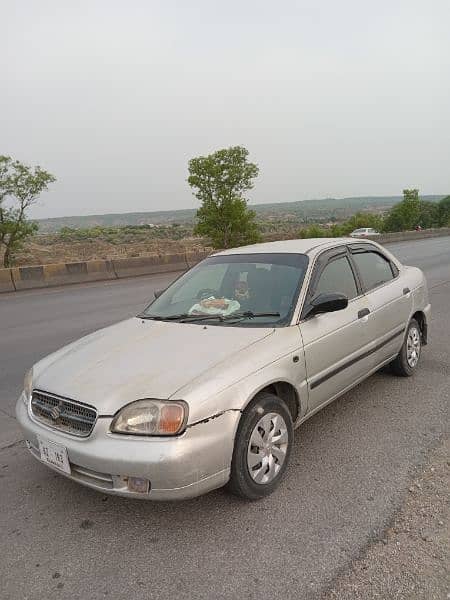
(206, 293)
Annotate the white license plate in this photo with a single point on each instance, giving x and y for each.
(54, 454)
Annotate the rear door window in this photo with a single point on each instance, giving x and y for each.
(374, 269)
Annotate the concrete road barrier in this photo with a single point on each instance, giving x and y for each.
(41, 276)
(147, 265)
(62, 274)
(192, 258)
(6, 281)
(28, 277)
(98, 270)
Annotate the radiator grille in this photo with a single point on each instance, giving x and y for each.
(63, 414)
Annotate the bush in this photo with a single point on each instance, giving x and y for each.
(125, 234)
(313, 231)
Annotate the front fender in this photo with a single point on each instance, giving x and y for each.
(206, 399)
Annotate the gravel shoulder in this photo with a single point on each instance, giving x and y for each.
(412, 558)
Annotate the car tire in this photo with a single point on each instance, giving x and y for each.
(407, 360)
(262, 448)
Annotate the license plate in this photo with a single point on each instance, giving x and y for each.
(54, 454)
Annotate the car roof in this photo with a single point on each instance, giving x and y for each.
(312, 247)
(306, 246)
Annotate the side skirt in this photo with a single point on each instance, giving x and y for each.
(342, 392)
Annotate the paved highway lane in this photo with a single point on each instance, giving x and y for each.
(351, 466)
(34, 323)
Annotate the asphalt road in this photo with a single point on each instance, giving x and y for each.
(350, 470)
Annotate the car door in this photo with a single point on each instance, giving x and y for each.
(389, 300)
(334, 343)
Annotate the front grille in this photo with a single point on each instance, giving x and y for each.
(63, 414)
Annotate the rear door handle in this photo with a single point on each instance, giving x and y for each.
(363, 313)
(406, 291)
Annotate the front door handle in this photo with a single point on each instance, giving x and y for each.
(406, 291)
(364, 312)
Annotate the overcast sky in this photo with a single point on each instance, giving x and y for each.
(331, 98)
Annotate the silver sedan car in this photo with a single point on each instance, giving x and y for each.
(205, 387)
(364, 232)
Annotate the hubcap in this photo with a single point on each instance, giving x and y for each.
(413, 347)
(267, 448)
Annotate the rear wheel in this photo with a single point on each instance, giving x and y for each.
(408, 358)
(262, 448)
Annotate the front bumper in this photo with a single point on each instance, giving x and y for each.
(179, 467)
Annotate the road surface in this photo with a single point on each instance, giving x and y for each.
(350, 469)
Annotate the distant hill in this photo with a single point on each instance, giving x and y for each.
(300, 210)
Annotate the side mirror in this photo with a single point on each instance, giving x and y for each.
(324, 303)
(158, 293)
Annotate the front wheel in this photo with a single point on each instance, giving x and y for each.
(262, 448)
(407, 359)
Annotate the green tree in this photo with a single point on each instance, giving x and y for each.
(428, 214)
(406, 214)
(20, 187)
(219, 182)
(444, 212)
(358, 221)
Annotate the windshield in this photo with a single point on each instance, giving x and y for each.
(239, 289)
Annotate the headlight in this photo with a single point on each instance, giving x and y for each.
(151, 417)
(28, 385)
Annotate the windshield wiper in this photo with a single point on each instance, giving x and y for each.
(248, 314)
(226, 318)
(186, 318)
(192, 318)
(161, 318)
(183, 317)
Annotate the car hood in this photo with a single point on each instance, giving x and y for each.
(138, 359)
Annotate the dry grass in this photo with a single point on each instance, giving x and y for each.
(40, 250)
